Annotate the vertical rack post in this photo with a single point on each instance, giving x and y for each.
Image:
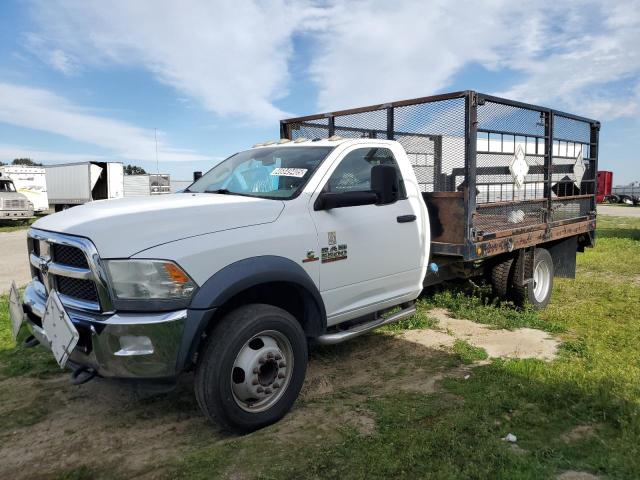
(471, 140)
(390, 125)
(593, 153)
(548, 163)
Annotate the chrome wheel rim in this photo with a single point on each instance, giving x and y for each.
(541, 281)
(262, 371)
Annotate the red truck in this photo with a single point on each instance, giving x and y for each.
(605, 182)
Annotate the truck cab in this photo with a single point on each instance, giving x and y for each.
(13, 205)
(308, 235)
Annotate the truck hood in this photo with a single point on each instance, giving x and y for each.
(122, 227)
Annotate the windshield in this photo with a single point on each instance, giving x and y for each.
(7, 186)
(275, 172)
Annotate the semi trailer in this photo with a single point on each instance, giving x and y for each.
(325, 234)
(72, 184)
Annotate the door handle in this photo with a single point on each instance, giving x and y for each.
(406, 218)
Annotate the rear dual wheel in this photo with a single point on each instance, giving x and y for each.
(536, 292)
(252, 368)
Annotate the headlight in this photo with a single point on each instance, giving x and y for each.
(149, 279)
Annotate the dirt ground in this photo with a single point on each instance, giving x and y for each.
(14, 262)
(619, 211)
(59, 426)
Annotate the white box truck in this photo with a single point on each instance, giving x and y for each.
(29, 181)
(323, 235)
(72, 184)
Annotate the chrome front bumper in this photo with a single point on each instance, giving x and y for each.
(118, 345)
(17, 214)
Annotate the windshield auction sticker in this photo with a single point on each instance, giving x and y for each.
(289, 172)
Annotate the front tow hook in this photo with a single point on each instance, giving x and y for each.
(82, 375)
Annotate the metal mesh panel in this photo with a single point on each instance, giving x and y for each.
(510, 139)
(309, 129)
(372, 124)
(433, 135)
(510, 119)
(569, 209)
(499, 216)
(574, 169)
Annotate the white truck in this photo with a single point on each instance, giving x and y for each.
(29, 181)
(13, 205)
(71, 184)
(292, 241)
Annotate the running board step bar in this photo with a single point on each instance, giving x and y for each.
(343, 336)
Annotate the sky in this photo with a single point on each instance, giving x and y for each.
(83, 80)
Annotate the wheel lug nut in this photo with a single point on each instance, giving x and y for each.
(260, 390)
(267, 391)
(270, 355)
(276, 385)
(278, 356)
(281, 375)
(282, 364)
(256, 370)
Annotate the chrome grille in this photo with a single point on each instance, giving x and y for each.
(71, 266)
(14, 204)
(72, 287)
(67, 255)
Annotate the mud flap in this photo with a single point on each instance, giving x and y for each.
(564, 254)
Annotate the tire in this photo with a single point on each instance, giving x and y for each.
(536, 293)
(626, 199)
(501, 277)
(240, 383)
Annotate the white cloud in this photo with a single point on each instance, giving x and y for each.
(572, 55)
(40, 109)
(232, 57)
(8, 152)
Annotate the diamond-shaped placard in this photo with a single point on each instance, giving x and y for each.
(519, 167)
(579, 168)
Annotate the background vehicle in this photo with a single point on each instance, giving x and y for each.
(13, 205)
(73, 184)
(605, 182)
(147, 184)
(326, 234)
(31, 182)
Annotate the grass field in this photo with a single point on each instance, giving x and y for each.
(13, 225)
(367, 410)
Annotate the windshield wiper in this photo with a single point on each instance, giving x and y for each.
(221, 191)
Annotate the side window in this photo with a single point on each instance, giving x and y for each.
(354, 172)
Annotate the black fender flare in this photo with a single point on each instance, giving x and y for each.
(238, 277)
(250, 272)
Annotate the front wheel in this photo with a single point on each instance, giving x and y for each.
(537, 292)
(252, 368)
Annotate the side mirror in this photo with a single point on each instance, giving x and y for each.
(329, 200)
(384, 182)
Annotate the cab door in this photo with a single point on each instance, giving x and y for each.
(370, 254)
